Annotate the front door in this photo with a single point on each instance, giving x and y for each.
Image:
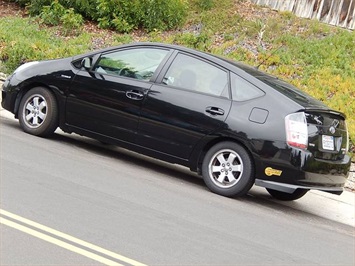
(108, 98)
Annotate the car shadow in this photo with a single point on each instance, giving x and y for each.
(256, 196)
(129, 157)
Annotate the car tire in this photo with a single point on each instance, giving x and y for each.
(227, 169)
(38, 112)
(284, 196)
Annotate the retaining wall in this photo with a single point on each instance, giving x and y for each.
(335, 12)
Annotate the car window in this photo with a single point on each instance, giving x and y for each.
(132, 63)
(243, 90)
(193, 74)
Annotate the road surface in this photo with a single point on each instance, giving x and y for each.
(70, 200)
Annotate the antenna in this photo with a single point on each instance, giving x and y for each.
(257, 67)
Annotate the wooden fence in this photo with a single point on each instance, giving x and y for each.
(335, 12)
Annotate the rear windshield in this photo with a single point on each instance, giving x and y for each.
(285, 88)
(291, 92)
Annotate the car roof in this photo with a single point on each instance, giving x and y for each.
(233, 66)
(152, 44)
(243, 70)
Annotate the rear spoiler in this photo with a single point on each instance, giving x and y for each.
(329, 111)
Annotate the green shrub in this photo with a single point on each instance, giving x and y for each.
(162, 14)
(121, 25)
(35, 6)
(115, 14)
(86, 8)
(71, 21)
(121, 15)
(56, 14)
(124, 16)
(52, 14)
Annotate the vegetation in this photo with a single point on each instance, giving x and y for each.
(121, 15)
(318, 58)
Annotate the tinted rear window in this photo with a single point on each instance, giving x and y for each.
(291, 92)
(243, 90)
(283, 87)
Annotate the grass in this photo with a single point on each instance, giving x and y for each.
(317, 58)
(22, 40)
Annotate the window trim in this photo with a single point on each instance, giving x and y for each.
(168, 64)
(156, 72)
(247, 81)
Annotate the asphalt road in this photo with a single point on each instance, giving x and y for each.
(56, 193)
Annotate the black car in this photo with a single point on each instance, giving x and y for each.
(233, 124)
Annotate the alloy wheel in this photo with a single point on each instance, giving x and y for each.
(35, 111)
(225, 168)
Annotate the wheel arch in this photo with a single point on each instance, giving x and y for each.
(28, 87)
(197, 164)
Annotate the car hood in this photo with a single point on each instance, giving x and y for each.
(41, 68)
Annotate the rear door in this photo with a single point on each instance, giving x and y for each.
(191, 101)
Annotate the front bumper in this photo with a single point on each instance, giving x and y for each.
(9, 95)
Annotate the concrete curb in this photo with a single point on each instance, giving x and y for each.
(332, 207)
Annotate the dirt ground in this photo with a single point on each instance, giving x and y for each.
(10, 9)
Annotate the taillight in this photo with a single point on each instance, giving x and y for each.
(296, 130)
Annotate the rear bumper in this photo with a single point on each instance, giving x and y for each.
(323, 173)
(300, 169)
(288, 188)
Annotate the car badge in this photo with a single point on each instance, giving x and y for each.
(334, 125)
(332, 130)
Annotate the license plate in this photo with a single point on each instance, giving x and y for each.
(328, 142)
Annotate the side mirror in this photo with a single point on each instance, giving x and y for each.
(86, 63)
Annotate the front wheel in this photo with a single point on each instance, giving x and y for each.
(38, 112)
(227, 169)
(298, 193)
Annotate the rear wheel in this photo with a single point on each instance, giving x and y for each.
(227, 169)
(38, 112)
(298, 193)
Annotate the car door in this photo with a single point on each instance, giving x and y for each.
(191, 101)
(107, 98)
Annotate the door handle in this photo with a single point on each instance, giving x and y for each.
(214, 110)
(135, 95)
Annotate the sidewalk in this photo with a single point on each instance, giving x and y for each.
(329, 206)
(332, 207)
